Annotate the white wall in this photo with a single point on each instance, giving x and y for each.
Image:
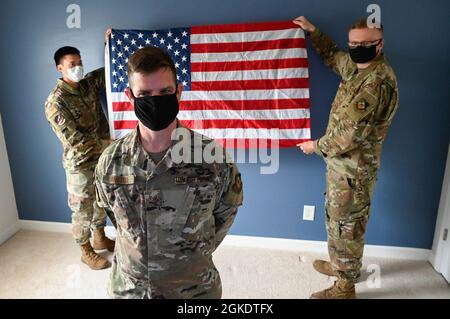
(9, 219)
(440, 256)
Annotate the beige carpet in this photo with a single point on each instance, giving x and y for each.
(46, 265)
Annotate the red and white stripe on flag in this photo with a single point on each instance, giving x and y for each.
(249, 85)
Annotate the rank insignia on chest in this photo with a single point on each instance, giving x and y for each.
(361, 105)
(180, 180)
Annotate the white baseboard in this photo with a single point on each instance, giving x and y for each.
(9, 232)
(313, 246)
(320, 247)
(38, 225)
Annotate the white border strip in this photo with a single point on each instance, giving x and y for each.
(245, 75)
(274, 94)
(297, 245)
(321, 247)
(55, 227)
(274, 114)
(249, 55)
(250, 36)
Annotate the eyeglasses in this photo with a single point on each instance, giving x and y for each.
(364, 44)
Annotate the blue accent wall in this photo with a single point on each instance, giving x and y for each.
(416, 43)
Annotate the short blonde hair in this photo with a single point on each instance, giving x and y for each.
(362, 24)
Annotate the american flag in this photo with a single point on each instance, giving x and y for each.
(243, 83)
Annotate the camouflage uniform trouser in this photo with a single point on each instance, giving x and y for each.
(347, 204)
(86, 214)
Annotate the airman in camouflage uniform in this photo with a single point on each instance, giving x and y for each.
(173, 207)
(171, 215)
(74, 112)
(361, 114)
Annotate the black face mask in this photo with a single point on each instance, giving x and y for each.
(362, 54)
(156, 112)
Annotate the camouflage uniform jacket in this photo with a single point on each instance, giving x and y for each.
(170, 216)
(361, 113)
(76, 117)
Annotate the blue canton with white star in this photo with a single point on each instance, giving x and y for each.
(124, 43)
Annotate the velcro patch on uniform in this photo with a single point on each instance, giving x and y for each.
(121, 180)
(59, 120)
(361, 105)
(180, 180)
(237, 186)
(234, 196)
(183, 180)
(360, 109)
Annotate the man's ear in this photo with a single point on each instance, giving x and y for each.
(380, 46)
(179, 91)
(129, 95)
(59, 68)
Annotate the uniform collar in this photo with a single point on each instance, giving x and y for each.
(138, 155)
(66, 87)
(378, 60)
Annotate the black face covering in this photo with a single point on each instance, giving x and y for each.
(156, 112)
(362, 54)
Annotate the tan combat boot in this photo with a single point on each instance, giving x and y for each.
(90, 258)
(342, 289)
(324, 267)
(101, 241)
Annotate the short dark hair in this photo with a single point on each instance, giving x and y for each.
(362, 24)
(61, 52)
(150, 59)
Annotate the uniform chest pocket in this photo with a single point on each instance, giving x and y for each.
(127, 202)
(166, 223)
(175, 207)
(185, 215)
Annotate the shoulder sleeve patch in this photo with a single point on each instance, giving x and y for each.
(364, 103)
(234, 195)
(59, 120)
(237, 186)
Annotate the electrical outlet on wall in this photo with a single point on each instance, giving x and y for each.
(308, 212)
